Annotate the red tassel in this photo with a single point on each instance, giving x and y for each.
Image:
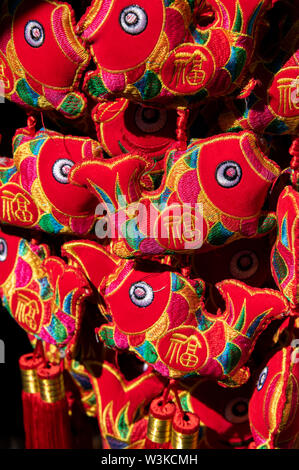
(185, 430)
(53, 416)
(159, 424)
(30, 394)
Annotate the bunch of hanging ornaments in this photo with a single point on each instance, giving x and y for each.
(150, 222)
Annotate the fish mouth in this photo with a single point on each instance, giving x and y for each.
(66, 37)
(265, 168)
(94, 15)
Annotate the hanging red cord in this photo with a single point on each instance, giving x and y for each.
(31, 124)
(182, 124)
(185, 427)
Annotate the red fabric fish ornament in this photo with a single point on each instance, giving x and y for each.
(35, 189)
(41, 58)
(169, 52)
(42, 293)
(161, 316)
(202, 203)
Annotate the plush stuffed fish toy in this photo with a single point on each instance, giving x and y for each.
(35, 190)
(42, 293)
(161, 316)
(41, 58)
(169, 52)
(202, 203)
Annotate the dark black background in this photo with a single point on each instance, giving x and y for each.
(15, 339)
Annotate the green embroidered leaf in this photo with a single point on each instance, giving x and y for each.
(35, 145)
(184, 402)
(236, 62)
(199, 287)
(251, 22)
(280, 268)
(177, 283)
(46, 291)
(277, 126)
(57, 330)
(5, 175)
(133, 236)
(203, 323)
(284, 232)
(107, 335)
(96, 87)
(49, 224)
(72, 104)
(219, 234)
(123, 426)
(238, 20)
(192, 159)
(254, 325)
(201, 37)
(149, 86)
(148, 352)
(26, 93)
(57, 298)
(17, 141)
(265, 224)
(120, 194)
(23, 248)
(241, 320)
(230, 357)
(92, 400)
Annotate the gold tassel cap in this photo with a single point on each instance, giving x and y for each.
(159, 421)
(51, 383)
(185, 430)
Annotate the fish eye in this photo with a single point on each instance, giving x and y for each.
(262, 378)
(34, 34)
(150, 120)
(61, 169)
(244, 264)
(141, 294)
(228, 174)
(236, 411)
(3, 249)
(133, 19)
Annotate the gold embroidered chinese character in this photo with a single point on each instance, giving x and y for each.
(188, 358)
(173, 225)
(288, 95)
(26, 311)
(15, 207)
(183, 73)
(191, 232)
